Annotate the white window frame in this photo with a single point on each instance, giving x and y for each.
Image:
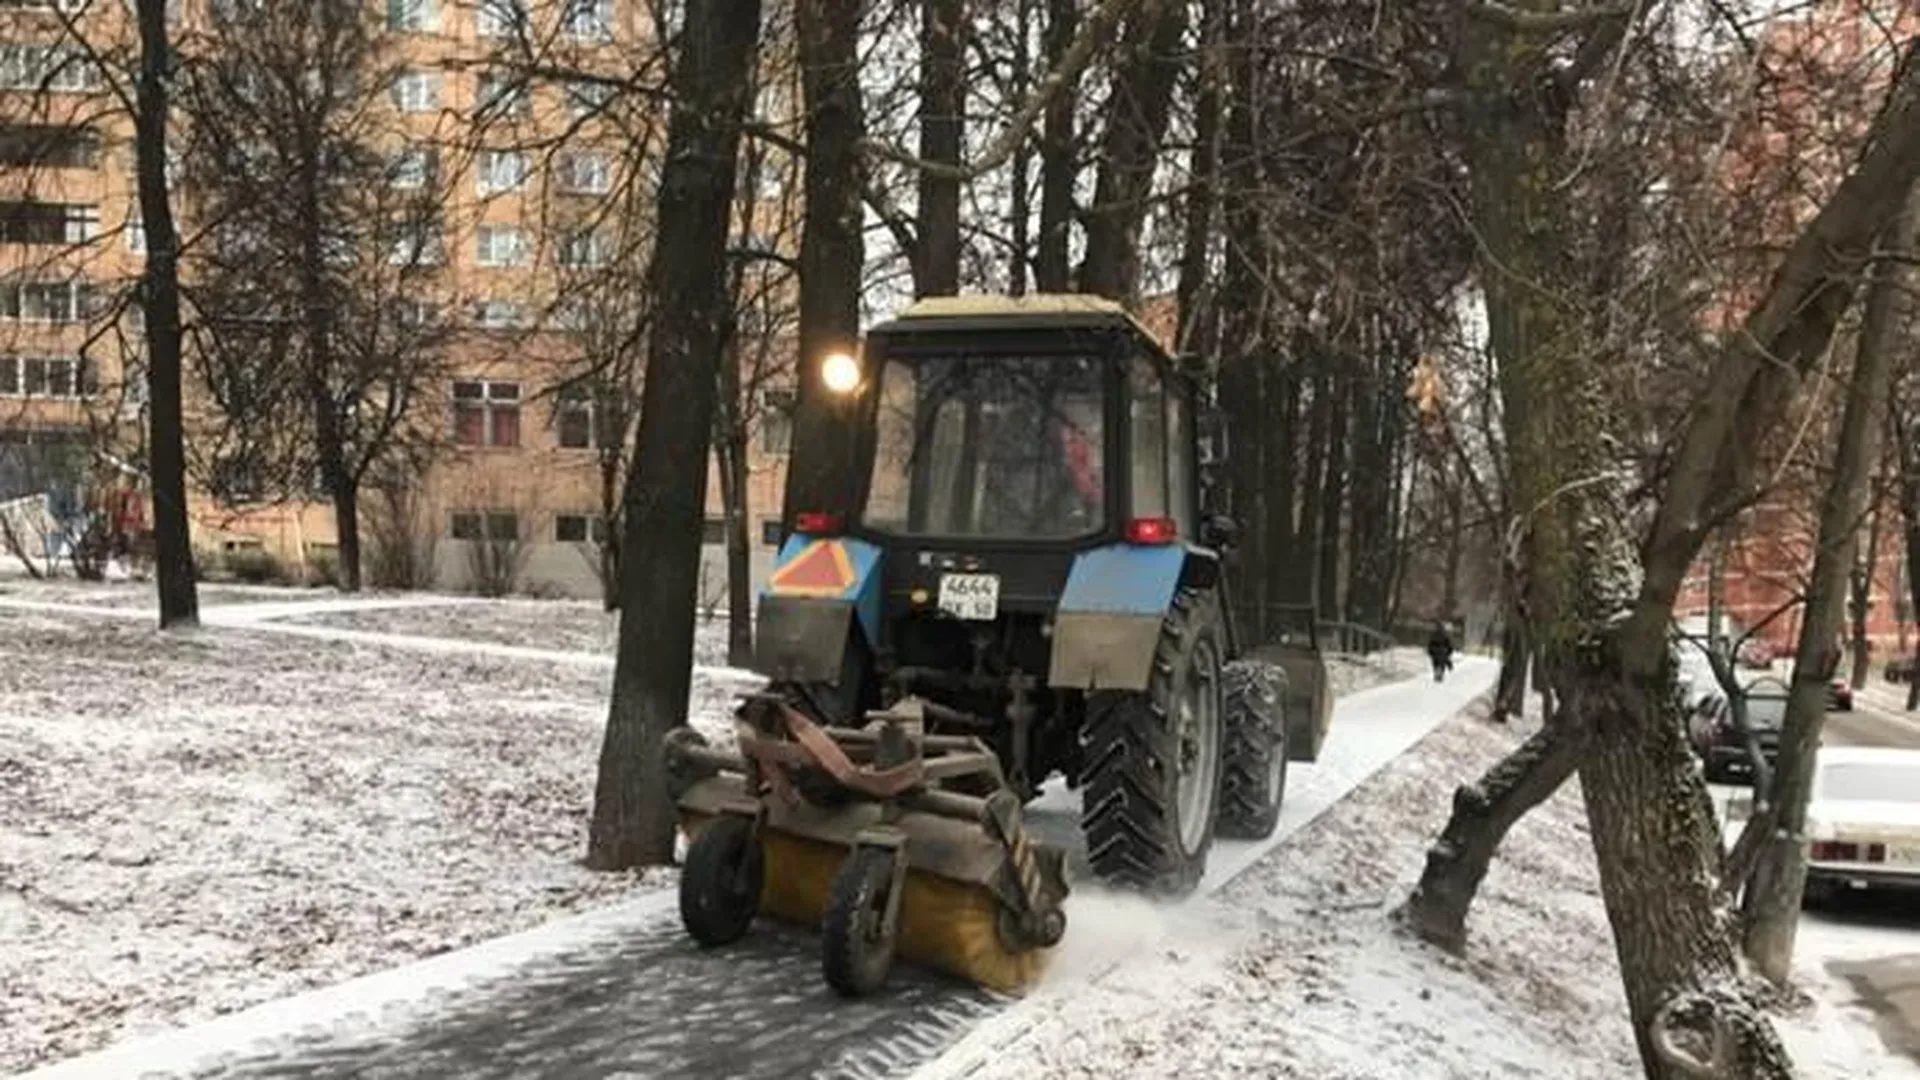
(500, 18)
(416, 91)
(585, 172)
(413, 16)
(417, 245)
(595, 528)
(494, 398)
(13, 377)
(492, 314)
(413, 167)
(583, 249)
(588, 22)
(497, 171)
(488, 239)
(584, 98)
(502, 96)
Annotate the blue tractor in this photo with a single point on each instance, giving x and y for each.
(1019, 581)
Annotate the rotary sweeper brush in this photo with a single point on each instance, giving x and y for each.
(851, 830)
(999, 568)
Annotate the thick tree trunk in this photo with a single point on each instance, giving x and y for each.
(1289, 497)
(633, 820)
(1137, 113)
(936, 263)
(1059, 164)
(1772, 903)
(831, 250)
(160, 304)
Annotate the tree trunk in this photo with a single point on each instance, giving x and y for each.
(160, 304)
(730, 457)
(831, 251)
(1772, 904)
(1717, 591)
(665, 496)
(1333, 499)
(1301, 557)
(1863, 575)
(1137, 113)
(1059, 164)
(1019, 198)
(1289, 497)
(1456, 549)
(936, 263)
(1190, 335)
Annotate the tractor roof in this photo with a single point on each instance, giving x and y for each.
(997, 311)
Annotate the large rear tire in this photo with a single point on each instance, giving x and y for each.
(1255, 784)
(1153, 759)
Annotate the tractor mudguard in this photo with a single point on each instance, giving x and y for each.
(819, 588)
(1107, 625)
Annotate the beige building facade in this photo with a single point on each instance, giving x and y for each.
(504, 103)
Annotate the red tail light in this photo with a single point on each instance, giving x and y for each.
(1833, 851)
(817, 523)
(1155, 530)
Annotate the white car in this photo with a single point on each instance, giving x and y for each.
(1863, 824)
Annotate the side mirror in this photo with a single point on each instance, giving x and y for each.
(1219, 532)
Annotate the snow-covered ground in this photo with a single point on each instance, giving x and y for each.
(1298, 970)
(194, 823)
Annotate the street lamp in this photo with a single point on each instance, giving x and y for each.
(840, 373)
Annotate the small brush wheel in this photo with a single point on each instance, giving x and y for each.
(720, 883)
(856, 952)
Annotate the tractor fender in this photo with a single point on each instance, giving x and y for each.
(1107, 624)
(820, 590)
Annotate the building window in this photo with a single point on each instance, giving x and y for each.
(500, 170)
(579, 529)
(416, 245)
(29, 221)
(486, 413)
(415, 314)
(500, 245)
(48, 145)
(587, 98)
(585, 173)
(65, 377)
(55, 68)
(589, 21)
(583, 248)
(502, 95)
(579, 421)
(416, 91)
(413, 167)
(46, 301)
(501, 18)
(497, 314)
(776, 419)
(500, 526)
(136, 231)
(413, 16)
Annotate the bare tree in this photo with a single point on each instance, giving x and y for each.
(632, 821)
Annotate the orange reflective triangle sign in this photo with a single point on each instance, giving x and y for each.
(820, 569)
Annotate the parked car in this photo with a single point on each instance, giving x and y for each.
(1863, 821)
(1725, 751)
(1899, 669)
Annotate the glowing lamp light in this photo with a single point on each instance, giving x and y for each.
(840, 373)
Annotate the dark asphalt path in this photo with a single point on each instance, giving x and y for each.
(655, 1007)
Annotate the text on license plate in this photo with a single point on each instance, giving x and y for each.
(1904, 855)
(973, 597)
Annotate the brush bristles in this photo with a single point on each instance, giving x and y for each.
(946, 925)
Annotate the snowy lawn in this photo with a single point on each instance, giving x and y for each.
(135, 595)
(1297, 969)
(190, 825)
(566, 625)
(193, 824)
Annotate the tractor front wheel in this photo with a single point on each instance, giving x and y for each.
(720, 883)
(1256, 766)
(1153, 759)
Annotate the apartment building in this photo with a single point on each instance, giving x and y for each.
(507, 105)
